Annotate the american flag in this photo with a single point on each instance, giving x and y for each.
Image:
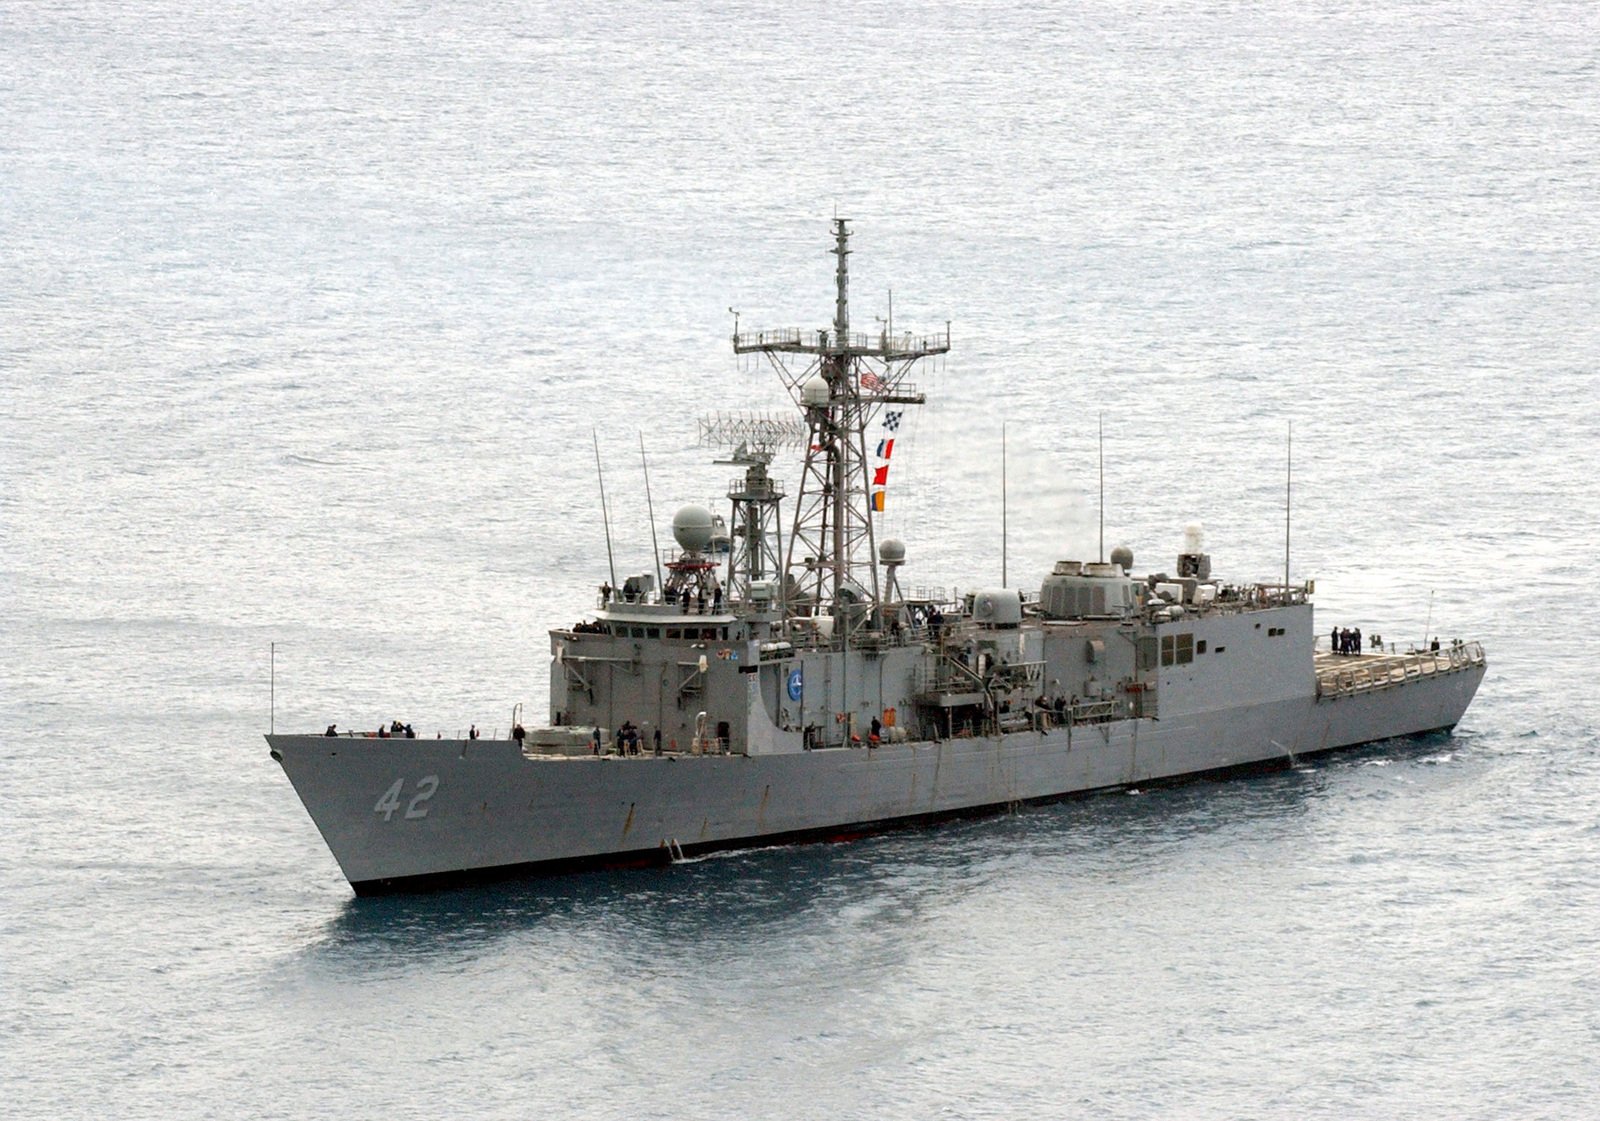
(870, 380)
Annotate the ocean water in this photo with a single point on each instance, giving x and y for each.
(310, 312)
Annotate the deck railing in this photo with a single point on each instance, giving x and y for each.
(902, 345)
(1385, 672)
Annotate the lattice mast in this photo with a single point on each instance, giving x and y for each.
(847, 379)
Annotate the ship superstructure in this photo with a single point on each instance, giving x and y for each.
(781, 685)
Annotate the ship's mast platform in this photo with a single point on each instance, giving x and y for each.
(893, 348)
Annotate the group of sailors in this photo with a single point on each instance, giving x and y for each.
(671, 596)
(628, 740)
(1346, 640)
(929, 616)
(1057, 708)
(394, 730)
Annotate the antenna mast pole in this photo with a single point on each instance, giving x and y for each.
(605, 514)
(839, 386)
(651, 507)
(1288, 496)
(1004, 524)
(1102, 488)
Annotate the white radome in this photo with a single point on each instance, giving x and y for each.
(692, 528)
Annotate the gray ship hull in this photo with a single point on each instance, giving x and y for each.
(403, 815)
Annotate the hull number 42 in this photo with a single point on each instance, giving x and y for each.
(417, 807)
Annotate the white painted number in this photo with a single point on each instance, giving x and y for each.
(427, 785)
(390, 800)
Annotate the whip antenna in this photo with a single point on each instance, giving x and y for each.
(605, 514)
(651, 507)
(1288, 495)
(1102, 488)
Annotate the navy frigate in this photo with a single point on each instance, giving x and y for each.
(777, 683)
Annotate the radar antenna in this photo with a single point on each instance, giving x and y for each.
(756, 536)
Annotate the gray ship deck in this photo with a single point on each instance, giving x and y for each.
(1346, 674)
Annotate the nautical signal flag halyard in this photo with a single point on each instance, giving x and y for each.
(880, 473)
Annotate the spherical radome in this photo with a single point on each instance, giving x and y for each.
(692, 527)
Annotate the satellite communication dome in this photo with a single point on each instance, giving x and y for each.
(692, 527)
(1124, 556)
(815, 391)
(892, 551)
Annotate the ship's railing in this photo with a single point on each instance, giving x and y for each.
(804, 637)
(905, 344)
(948, 676)
(1235, 600)
(740, 485)
(1278, 595)
(1387, 671)
(1081, 712)
(680, 610)
(357, 734)
(899, 391)
(1095, 712)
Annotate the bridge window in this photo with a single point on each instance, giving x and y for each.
(1177, 649)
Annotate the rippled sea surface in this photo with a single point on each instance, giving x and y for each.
(308, 312)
